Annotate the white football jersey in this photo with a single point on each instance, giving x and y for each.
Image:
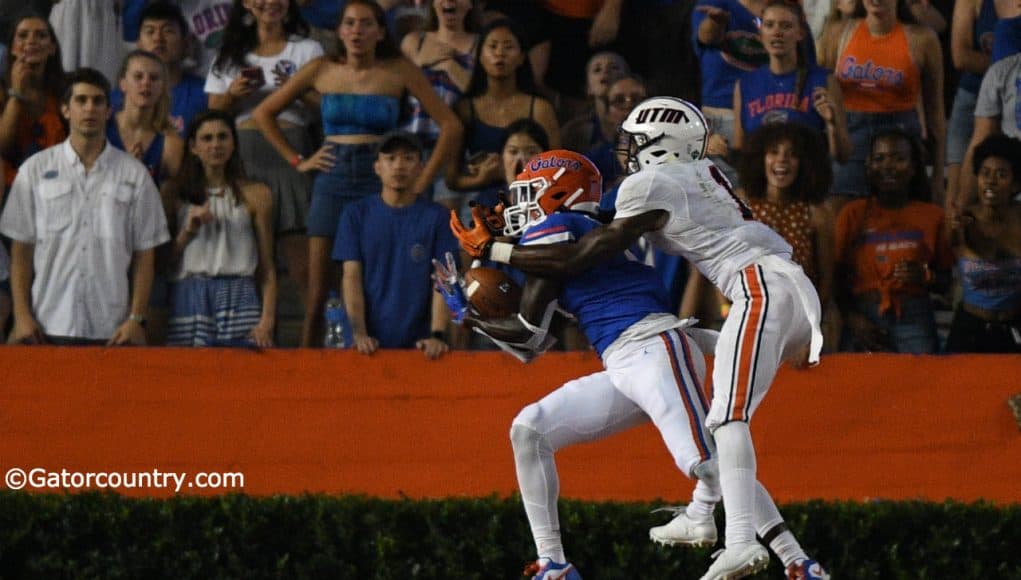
(709, 226)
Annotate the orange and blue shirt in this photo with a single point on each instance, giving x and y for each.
(877, 73)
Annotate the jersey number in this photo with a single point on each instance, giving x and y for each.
(721, 179)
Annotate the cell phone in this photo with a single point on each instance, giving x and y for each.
(254, 76)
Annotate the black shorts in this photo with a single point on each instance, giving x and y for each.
(969, 333)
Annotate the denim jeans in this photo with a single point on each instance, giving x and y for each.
(913, 332)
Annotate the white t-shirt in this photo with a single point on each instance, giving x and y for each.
(85, 230)
(296, 53)
(708, 225)
(1000, 95)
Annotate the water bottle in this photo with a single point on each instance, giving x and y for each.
(335, 320)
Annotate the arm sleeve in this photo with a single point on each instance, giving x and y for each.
(643, 192)
(990, 97)
(18, 220)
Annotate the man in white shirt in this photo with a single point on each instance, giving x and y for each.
(82, 217)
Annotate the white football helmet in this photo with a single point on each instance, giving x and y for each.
(663, 130)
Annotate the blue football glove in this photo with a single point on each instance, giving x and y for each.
(449, 283)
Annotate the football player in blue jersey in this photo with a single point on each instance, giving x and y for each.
(654, 367)
(681, 203)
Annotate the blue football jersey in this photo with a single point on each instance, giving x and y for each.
(610, 297)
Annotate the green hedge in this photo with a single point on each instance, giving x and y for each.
(106, 536)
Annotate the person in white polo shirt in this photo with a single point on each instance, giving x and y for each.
(84, 219)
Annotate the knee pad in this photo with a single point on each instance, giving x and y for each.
(523, 436)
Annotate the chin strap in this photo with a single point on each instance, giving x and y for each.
(540, 333)
(540, 341)
(518, 351)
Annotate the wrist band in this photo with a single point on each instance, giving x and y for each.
(501, 252)
(297, 160)
(17, 95)
(439, 335)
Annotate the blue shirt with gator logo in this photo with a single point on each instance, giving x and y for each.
(610, 297)
(771, 98)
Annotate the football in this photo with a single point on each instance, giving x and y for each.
(491, 292)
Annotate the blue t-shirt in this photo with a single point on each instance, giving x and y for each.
(610, 297)
(769, 98)
(323, 13)
(131, 18)
(1006, 38)
(396, 247)
(741, 51)
(187, 99)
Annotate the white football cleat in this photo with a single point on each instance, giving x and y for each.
(734, 563)
(682, 530)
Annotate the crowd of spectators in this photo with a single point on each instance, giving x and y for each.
(325, 140)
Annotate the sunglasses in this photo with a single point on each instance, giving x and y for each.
(622, 101)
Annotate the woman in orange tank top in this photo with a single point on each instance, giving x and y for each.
(883, 63)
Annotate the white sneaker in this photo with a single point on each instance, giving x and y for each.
(683, 530)
(738, 562)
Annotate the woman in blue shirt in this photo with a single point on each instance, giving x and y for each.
(788, 88)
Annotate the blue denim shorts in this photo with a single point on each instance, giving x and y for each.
(351, 178)
(960, 126)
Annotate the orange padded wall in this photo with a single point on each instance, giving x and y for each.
(394, 424)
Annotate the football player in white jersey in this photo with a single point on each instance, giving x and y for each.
(685, 206)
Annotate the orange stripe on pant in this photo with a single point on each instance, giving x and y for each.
(744, 376)
(694, 424)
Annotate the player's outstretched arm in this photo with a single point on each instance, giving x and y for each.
(568, 260)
